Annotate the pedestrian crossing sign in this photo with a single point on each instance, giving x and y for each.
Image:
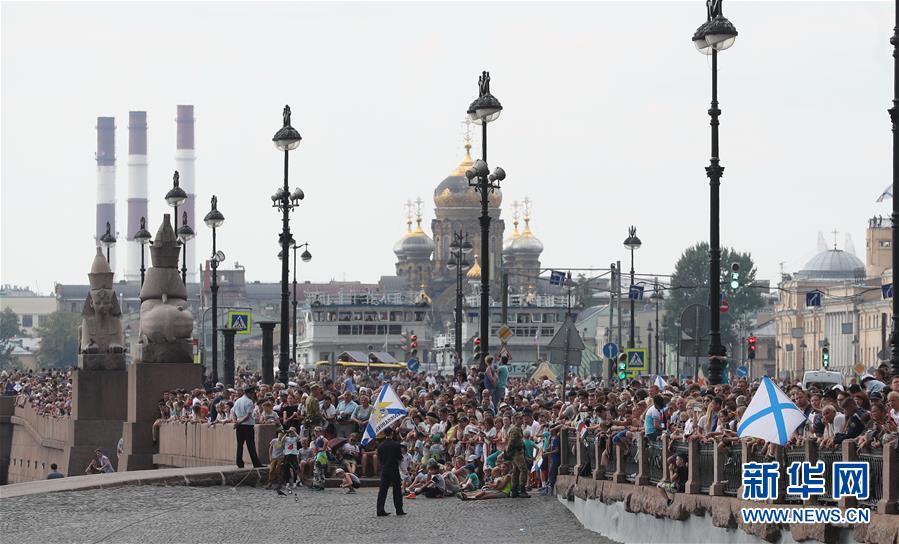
(636, 361)
(241, 320)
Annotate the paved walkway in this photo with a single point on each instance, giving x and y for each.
(177, 514)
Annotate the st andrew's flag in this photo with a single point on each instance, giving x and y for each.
(387, 410)
(771, 415)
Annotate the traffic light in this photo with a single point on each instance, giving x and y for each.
(405, 344)
(477, 349)
(413, 344)
(622, 366)
(734, 276)
(825, 355)
(751, 344)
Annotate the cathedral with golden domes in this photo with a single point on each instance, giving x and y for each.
(422, 261)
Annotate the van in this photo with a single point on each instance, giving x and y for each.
(821, 379)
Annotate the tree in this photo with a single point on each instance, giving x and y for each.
(583, 292)
(9, 328)
(59, 340)
(690, 285)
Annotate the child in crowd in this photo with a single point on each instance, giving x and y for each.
(349, 481)
(276, 454)
(320, 467)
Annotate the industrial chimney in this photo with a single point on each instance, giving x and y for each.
(184, 164)
(137, 188)
(106, 181)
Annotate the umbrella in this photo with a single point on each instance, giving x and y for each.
(336, 442)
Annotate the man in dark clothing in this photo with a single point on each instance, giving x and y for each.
(389, 455)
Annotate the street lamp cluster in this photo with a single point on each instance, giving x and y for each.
(286, 139)
(485, 109)
(460, 248)
(214, 219)
(632, 243)
(306, 257)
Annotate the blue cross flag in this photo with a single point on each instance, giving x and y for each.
(771, 415)
(887, 290)
(556, 277)
(387, 410)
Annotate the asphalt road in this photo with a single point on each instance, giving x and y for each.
(178, 514)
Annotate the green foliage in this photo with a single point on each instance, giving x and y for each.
(59, 340)
(691, 286)
(9, 328)
(583, 292)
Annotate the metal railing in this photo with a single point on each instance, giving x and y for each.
(716, 469)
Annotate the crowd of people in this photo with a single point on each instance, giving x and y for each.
(481, 434)
(49, 393)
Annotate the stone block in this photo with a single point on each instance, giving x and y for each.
(147, 381)
(101, 361)
(206, 480)
(99, 394)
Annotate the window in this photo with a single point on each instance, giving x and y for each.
(27, 320)
(396, 316)
(547, 331)
(343, 330)
(382, 330)
(419, 316)
(357, 316)
(344, 316)
(371, 316)
(395, 329)
(537, 318)
(357, 329)
(369, 329)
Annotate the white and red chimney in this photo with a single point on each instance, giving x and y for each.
(185, 158)
(137, 188)
(106, 181)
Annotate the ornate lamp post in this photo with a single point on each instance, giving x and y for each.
(716, 34)
(185, 233)
(174, 198)
(214, 219)
(459, 249)
(306, 256)
(894, 117)
(632, 243)
(108, 240)
(142, 237)
(657, 296)
(485, 109)
(286, 140)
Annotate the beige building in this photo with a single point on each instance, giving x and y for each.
(31, 308)
(852, 320)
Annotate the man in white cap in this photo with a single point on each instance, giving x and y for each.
(245, 425)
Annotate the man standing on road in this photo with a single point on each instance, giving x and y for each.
(245, 425)
(389, 455)
(515, 453)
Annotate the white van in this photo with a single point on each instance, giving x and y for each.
(821, 379)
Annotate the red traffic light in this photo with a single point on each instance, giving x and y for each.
(414, 341)
(751, 340)
(477, 341)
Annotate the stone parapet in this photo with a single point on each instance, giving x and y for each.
(193, 445)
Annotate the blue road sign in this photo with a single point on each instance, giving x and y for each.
(813, 298)
(635, 292)
(636, 360)
(610, 350)
(413, 364)
(240, 320)
(742, 371)
(887, 290)
(556, 277)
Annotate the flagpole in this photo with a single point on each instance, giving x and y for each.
(894, 117)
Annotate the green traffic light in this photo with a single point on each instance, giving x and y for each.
(734, 284)
(622, 375)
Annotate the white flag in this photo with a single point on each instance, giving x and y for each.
(771, 415)
(887, 193)
(387, 410)
(660, 382)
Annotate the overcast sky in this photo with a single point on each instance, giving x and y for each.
(604, 124)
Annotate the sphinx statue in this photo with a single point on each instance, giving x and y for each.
(101, 324)
(166, 323)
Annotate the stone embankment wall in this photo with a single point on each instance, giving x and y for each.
(33, 442)
(198, 445)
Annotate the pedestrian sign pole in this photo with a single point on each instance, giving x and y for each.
(637, 361)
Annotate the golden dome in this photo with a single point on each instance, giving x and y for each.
(474, 273)
(454, 191)
(526, 242)
(415, 243)
(507, 243)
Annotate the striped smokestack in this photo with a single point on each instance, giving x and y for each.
(184, 164)
(106, 181)
(137, 187)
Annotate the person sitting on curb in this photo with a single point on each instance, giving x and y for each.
(349, 481)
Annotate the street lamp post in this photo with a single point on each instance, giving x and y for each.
(632, 243)
(174, 198)
(459, 248)
(485, 109)
(286, 140)
(657, 297)
(214, 219)
(108, 240)
(185, 233)
(894, 117)
(649, 330)
(306, 256)
(716, 34)
(142, 237)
